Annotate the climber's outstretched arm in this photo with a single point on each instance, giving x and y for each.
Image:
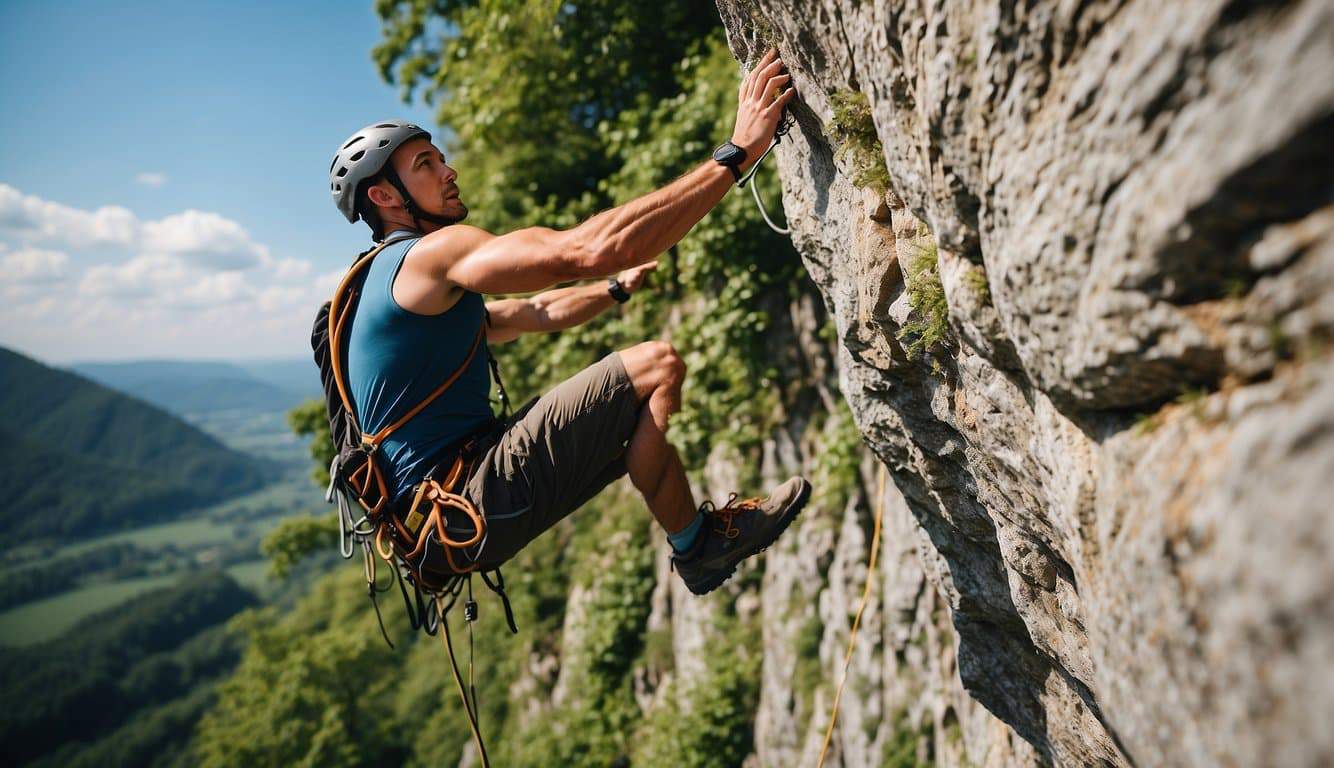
(631, 234)
(643, 228)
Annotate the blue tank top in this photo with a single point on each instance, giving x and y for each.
(395, 358)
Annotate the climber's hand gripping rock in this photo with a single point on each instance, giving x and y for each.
(760, 103)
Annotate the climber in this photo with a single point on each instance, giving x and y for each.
(422, 302)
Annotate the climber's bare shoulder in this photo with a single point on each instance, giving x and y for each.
(461, 256)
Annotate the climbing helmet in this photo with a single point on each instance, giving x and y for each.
(362, 156)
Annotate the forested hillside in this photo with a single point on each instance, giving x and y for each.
(78, 458)
(156, 659)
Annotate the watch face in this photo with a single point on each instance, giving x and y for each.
(728, 153)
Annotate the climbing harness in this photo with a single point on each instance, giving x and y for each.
(785, 124)
(402, 531)
(866, 593)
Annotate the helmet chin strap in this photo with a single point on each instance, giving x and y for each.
(410, 205)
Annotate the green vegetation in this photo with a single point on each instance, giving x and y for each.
(325, 682)
(900, 748)
(928, 325)
(808, 675)
(52, 585)
(1147, 423)
(595, 727)
(715, 727)
(296, 538)
(835, 474)
(853, 129)
(976, 280)
(1193, 400)
(41, 620)
(111, 664)
(157, 736)
(310, 420)
(104, 460)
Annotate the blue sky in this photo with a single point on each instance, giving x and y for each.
(155, 155)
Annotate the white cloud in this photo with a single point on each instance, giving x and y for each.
(207, 239)
(151, 178)
(44, 221)
(191, 283)
(32, 265)
(203, 238)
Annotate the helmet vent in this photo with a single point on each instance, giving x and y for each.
(360, 154)
(353, 141)
(342, 172)
(387, 125)
(338, 187)
(383, 143)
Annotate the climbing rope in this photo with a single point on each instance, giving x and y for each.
(755, 190)
(469, 705)
(866, 593)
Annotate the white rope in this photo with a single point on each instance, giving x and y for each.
(755, 190)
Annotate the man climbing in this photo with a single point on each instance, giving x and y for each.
(422, 304)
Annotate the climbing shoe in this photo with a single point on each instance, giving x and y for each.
(735, 531)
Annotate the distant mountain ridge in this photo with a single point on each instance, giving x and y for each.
(78, 458)
(199, 387)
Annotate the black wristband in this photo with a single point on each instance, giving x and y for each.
(731, 156)
(617, 291)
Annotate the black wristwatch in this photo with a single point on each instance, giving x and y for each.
(617, 291)
(732, 156)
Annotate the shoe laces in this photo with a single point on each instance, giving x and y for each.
(728, 510)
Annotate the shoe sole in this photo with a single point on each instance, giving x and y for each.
(803, 496)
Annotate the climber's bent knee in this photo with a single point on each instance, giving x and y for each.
(652, 365)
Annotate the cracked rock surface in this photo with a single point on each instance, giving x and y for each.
(1107, 536)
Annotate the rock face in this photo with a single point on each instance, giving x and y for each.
(1108, 518)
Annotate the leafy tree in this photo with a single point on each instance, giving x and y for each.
(310, 420)
(312, 690)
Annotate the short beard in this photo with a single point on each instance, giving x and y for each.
(460, 217)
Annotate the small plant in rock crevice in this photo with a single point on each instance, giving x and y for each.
(853, 128)
(927, 327)
(976, 279)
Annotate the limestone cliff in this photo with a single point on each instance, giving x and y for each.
(1080, 259)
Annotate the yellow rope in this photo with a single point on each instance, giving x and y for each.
(866, 593)
(468, 710)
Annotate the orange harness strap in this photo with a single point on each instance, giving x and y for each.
(368, 481)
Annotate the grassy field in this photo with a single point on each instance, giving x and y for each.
(43, 620)
(185, 534)
(253, 575)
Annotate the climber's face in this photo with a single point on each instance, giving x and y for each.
(429, 180)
